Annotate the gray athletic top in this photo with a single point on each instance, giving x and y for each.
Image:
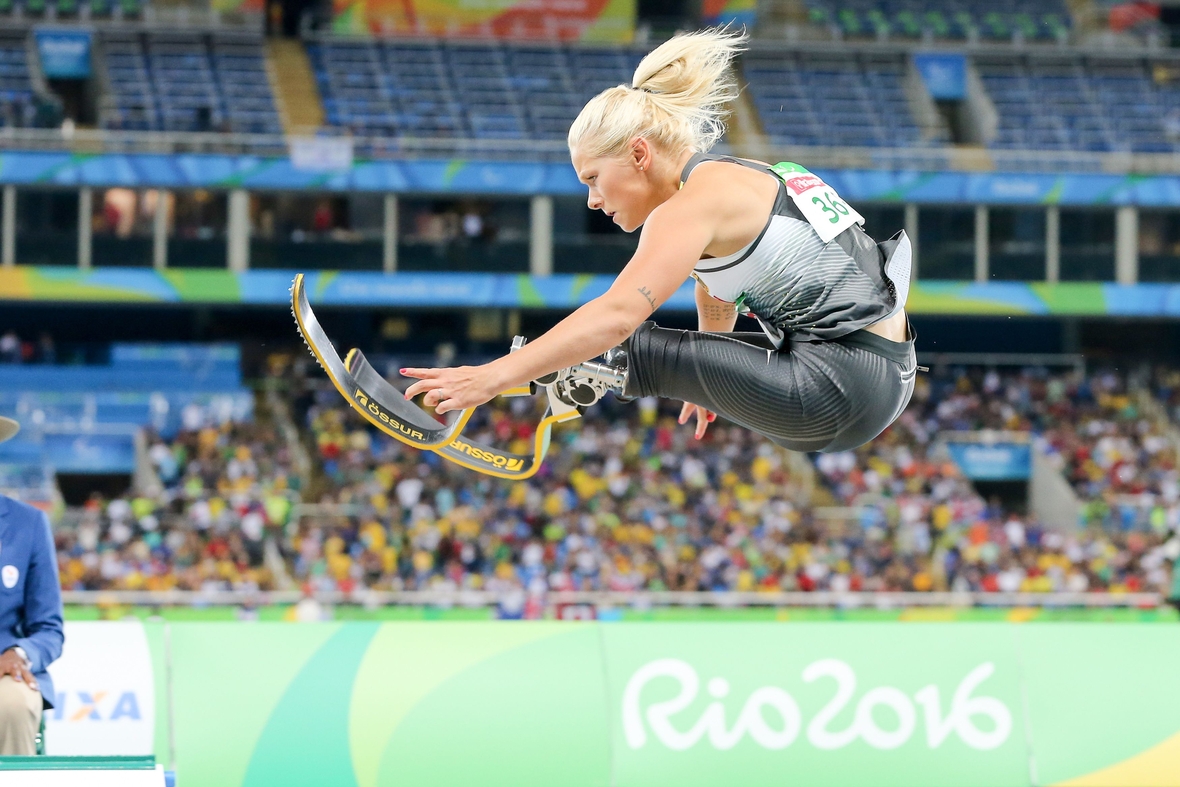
(795, 283)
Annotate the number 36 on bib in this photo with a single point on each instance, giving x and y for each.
(817, 201)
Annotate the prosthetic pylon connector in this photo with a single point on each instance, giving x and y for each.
(578, 386)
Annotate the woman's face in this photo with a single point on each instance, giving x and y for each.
(618, 187)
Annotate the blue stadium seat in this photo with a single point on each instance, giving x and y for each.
(854, 101)
(1082, 103)
(16, 88)
(187, 82)
(70, 411)
(480, 90)
(997, 20)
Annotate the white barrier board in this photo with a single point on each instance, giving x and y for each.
(86, 778)
(105, 692)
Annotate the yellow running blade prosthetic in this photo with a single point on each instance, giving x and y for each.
(469, 453)
(386, 408)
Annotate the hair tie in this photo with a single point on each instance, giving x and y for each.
(644, 89)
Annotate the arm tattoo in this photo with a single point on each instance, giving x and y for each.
(646, 293)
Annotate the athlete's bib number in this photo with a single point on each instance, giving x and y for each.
(817, 201)
(830, 203)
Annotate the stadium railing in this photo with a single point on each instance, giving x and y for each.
(483, 598)
(94, 141)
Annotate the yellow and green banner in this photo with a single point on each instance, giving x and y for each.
(239, 6)
(740, 13)
(651, 704)
(570, 20)
(65, 284)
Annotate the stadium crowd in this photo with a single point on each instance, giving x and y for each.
(223, 488)
(628, 500)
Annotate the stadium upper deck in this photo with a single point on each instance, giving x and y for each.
(1030, 78)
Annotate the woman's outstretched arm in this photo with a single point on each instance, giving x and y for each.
(674, 237)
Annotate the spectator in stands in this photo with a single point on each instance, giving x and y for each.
(46, 349)
(472, 224)
(323, 218)
(10, 348)
(625, 503)
(31, 634)
(226, 489)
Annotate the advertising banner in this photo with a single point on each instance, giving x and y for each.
(739, 13)
(883, 707)
(992, 462)
(476, 176)
(105, 699)
(64, 54)
(238, 6)
(566, 20)
(90, 453)
(320, 154)
(521, 291)
(635, 704)
(944, 74)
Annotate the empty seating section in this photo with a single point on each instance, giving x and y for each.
(996, 20)
(495, 108)
(131, 100)
(484, 91)
(15, 87)
(1046, 98)
(169, 82)
(853, 100)
(240, 67)
(84, 418)
(1075, 103)
(72, 9)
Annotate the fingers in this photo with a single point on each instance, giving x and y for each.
(702, 422)
(427, 379)
(21, 675)
(704, 417)
(421, 386)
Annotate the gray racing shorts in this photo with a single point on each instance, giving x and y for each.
(808, 396)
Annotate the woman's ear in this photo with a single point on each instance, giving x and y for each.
(641, 153)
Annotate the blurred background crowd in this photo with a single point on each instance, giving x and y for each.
(628, 500)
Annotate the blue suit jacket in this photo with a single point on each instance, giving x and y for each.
(30, 610)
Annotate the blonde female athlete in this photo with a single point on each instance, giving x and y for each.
(835, 364)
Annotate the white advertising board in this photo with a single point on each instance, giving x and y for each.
(105, 692)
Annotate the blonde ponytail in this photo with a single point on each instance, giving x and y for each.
(677, 98)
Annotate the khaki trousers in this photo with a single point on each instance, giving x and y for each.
(20, 716)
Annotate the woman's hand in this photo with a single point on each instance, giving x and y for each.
(456, 388)
(704, 417)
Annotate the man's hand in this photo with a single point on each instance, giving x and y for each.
(12, 664)
(704, 417)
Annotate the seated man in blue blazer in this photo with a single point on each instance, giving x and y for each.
(30, 618)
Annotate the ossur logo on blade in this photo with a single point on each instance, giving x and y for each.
(772, 718)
